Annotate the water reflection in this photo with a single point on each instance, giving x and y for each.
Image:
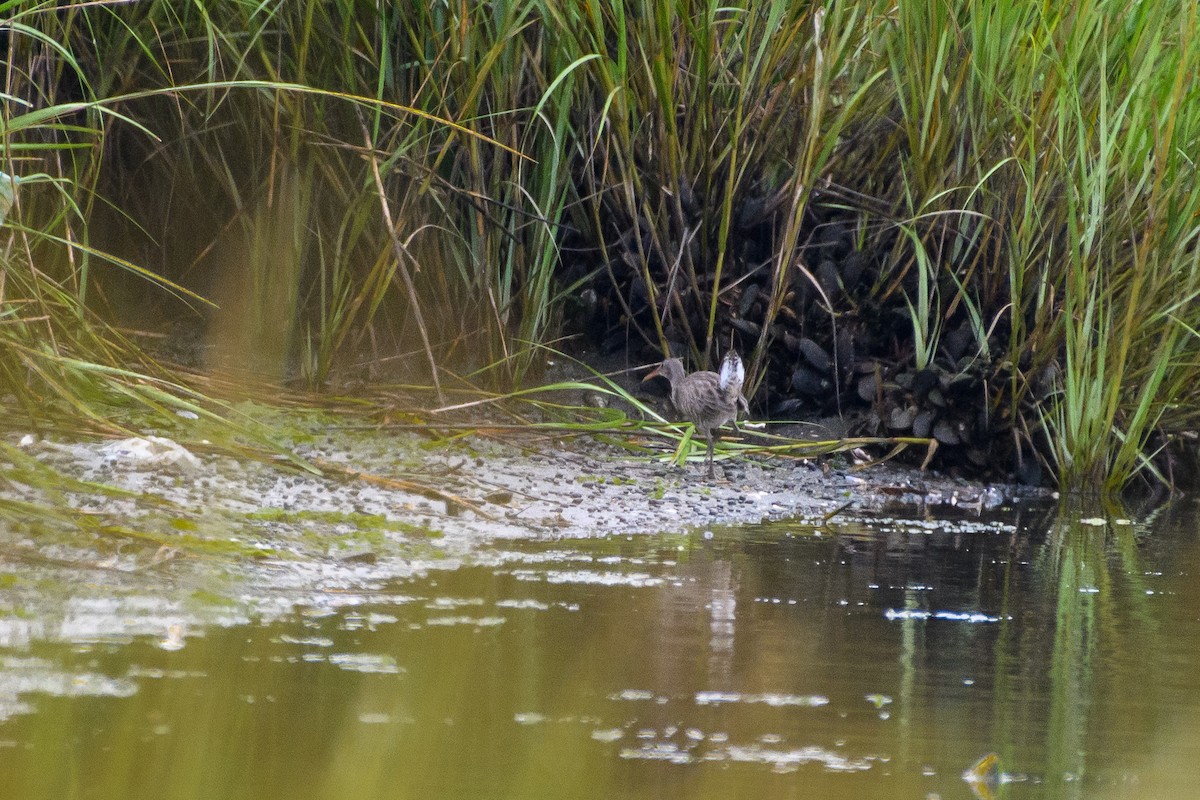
(876, 657)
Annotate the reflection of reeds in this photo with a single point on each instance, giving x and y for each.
(1088, 575)
(1017, 169)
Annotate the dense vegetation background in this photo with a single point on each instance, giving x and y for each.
(972, 221)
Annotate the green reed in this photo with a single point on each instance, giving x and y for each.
(415, 190)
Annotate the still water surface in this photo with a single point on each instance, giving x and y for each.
(878, 657)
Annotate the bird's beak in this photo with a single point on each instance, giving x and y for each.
(653, 373)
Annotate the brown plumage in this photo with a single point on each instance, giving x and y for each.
(706, 399)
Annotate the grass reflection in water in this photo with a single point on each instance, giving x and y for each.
(880, 658)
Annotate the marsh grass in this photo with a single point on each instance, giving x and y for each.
(420, 189)
(628, 421)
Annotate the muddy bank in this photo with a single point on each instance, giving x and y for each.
(487, 488)
(113, 541)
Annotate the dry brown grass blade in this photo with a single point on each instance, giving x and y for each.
(401, 254)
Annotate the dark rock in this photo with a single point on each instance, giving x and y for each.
(746, 326)
(956, 342)
(853, 267)
(785, 407)
(901, 419)
(815, 355)
(614, 342)
(778, 331)
(866, 388)
(924, 380)
(748, 298)
(827, 276)
(843, 346)
(923, 424)
(960, 384)
(750, 213)
(791, 342)
(808, 382)
(687, 198)
(638, 293)
(833, 240)
(946, 433)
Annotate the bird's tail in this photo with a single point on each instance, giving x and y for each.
(731, 376)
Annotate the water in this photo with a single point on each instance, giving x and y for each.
(872, 658)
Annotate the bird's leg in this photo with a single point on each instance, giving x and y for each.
(709, 435)
(745, 408)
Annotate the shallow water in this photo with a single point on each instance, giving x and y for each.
(875, 657)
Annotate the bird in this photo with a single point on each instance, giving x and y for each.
(706, 399)
(8, 192)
